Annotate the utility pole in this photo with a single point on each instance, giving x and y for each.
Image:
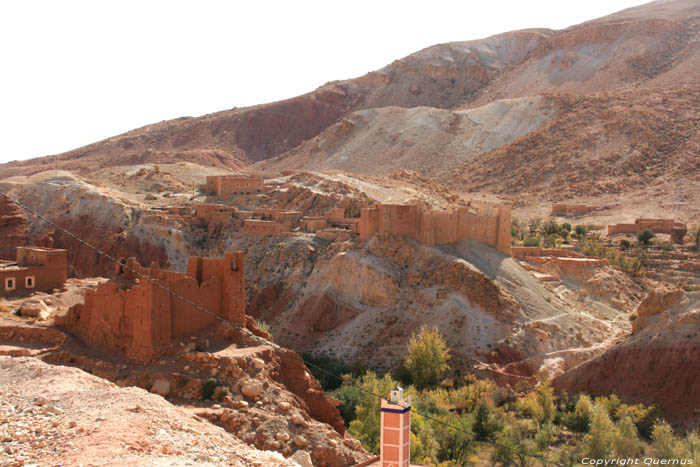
(678, 198)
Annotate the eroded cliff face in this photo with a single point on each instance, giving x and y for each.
(363, 300)
(13, 228)
(93, 214)
(658, 363)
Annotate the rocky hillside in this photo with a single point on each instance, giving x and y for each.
(595, 145)
(424, 139)
(656, 363)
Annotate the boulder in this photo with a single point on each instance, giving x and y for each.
(299, 441)
(252, 388)
(297, 419)
(299, 459)
(161, 387)
(34, 309)
(659, 300)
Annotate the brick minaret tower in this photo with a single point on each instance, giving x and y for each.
(396, 430)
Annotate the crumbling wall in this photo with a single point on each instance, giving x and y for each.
(486, 224)
(313, 223)
(289, 218)
(528, 251)
(260, 227)
(214, 213)
(141, 318)
(571, 209)
(665, 226)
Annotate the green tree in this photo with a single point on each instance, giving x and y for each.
(599, 440)
(366, 426)
(580, 419)
(545, 399)
(455, 438)
(626, 443)
(644, 236)
(580, 231)
(691, 447)
(514, 446)
(427, 357)
(349, 397)
(487, 422)
(664, 444)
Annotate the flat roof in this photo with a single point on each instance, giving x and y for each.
(42, 249)
(17, 268)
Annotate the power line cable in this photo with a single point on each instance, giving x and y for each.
(258, 338)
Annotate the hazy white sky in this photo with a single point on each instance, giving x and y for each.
(75, 72)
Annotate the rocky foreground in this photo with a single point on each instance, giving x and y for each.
(57, 415)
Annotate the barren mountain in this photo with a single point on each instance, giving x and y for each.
(637, 53)
(605, 112)
(425, 139)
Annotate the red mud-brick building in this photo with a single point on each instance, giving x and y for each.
(261, 227)
(227, 185)
(290, 219)
(140, 318)
(665, 226)
(214, 213)
(35, 269)
(489, 224)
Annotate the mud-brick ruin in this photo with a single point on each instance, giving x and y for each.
(570, 210)
(483, 222)
(677, 230)
(228, 185)
(35, 269)
(140, 318)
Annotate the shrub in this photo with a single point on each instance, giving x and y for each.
(581, 231)
(550, 227)
(566, 226)
(633, 316)
(644, 236)
(624, 244)
(666, 246)
(427, 357)
(263, 326)
(366, 425)
(533, 226)
(553, 241)
(349, 397)
(333, 365)
(531, 241)
(209, 387)
(579, 419)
